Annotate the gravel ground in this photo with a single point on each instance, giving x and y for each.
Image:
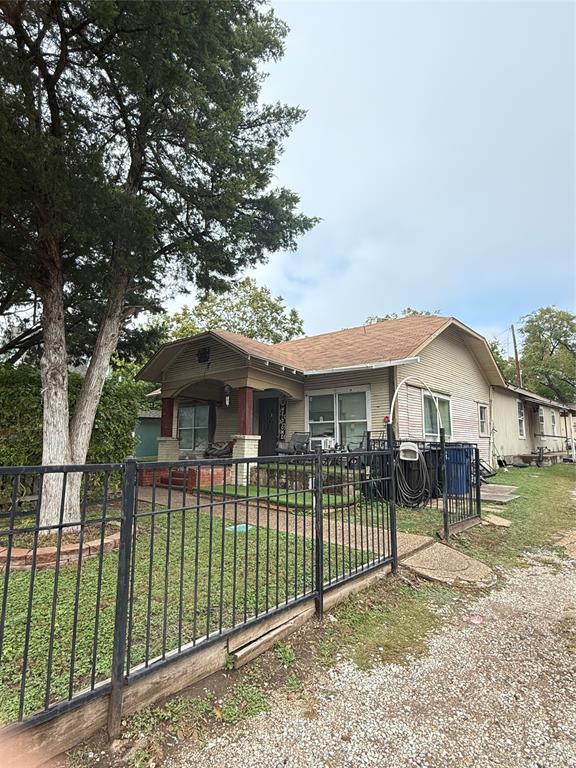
(497, 693)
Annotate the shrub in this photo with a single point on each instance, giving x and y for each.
(21, 415)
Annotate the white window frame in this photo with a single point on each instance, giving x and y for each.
(335, 391)
(541, 422)
(521, 420)
(554, 423)
(486, 431)
(431, 436)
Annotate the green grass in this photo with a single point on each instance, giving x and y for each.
(164, 596)
(383, 625)
(426, 520)
(293, 499)
(544, 508)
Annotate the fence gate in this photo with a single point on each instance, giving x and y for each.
(460, 483)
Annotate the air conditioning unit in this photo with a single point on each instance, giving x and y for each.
(323, 443)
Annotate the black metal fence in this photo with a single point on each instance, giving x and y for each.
(441, 474)
(108, 571)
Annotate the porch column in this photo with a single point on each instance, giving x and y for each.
(167, 417)
(167, 444)
(246, 445)
(245, 410)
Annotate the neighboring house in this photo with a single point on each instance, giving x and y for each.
(147, 431)
(524, 422)
(218, 385)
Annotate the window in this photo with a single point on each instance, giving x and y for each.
(483, 428)
(521, 424)
(193, 427)
(352, 422)
(338, 414)
(321, 416)
(554, 432)
(431, 426)
(541, 420)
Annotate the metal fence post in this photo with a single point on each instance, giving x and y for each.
(319, 524)
(129, 485)
(444, 480)
(477, 480)
(391, 442)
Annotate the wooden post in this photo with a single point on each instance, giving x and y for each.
(245, 410)
(166, 420)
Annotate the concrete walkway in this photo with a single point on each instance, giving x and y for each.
(338, 528)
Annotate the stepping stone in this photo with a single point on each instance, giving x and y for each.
(448, 566)
(501, 522)
(496, 497)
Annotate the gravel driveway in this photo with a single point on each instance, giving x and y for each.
(497, 693)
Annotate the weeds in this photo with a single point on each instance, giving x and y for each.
(285, 654)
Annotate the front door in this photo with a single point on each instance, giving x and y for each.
(268, 426)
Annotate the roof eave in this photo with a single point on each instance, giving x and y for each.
(363, 366)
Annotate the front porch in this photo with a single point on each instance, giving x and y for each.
(200, 424)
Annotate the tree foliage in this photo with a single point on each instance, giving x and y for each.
(406, 312)
(505, 363)
(21, 415)
(247, 309)
(136, 158)
(549, 353)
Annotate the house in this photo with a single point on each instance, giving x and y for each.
(219, 386)
(525, 423)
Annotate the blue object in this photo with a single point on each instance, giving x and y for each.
(240, 528)
(458, 469)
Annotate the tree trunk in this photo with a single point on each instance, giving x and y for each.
(54, 376)
(91, 391)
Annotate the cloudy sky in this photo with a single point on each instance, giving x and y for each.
(438, 150)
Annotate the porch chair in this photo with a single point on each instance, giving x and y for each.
(298, 444)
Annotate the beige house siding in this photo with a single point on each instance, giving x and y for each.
(506, 438)
(448, 367)
(410, 416)
(376, 381)
(186, 369)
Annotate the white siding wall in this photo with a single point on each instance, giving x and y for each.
(448, 366)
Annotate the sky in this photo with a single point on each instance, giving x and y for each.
(439, 152)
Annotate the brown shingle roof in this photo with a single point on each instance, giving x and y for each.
(260, 349)
(365, 344)
(375, 343)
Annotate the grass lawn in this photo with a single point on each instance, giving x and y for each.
(188, 569)
(544, 508)
(293, 499)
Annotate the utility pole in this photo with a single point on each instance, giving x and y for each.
(516, 359)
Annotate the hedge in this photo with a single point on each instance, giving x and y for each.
(21, 415)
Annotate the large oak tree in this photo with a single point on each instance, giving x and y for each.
(135, 157)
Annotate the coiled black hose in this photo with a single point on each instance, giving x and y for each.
(413, 489)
